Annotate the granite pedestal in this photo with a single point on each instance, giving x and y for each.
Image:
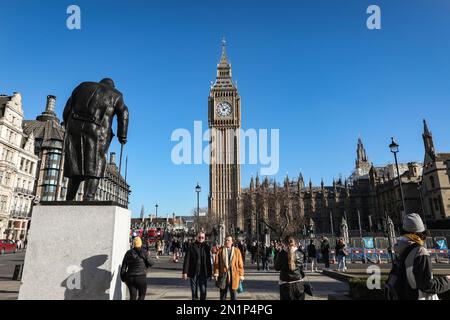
(75, 252)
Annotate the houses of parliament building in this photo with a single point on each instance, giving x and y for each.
(366, 198)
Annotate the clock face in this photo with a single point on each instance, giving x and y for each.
(224, 109)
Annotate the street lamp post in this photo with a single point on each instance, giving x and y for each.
(156, 222)
(331, 223)
(257, 240)
(198, 189)
(394, 149)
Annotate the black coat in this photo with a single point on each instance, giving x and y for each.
(197, 255)
(282, 265)
(340, 249)
(135, 263)
(325, 248)
(88, 118)
(312, 252)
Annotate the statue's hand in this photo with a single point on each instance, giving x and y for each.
(123, 140)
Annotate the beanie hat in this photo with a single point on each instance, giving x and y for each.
(137, 242)
(413, 223)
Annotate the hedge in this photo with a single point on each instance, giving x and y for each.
(358, 290)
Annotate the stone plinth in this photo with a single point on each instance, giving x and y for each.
(74, 252)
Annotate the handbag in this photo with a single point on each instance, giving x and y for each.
(240, 288)
(308, 288)
(221, 282)
(123, 276)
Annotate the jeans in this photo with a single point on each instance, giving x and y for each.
(313, 264)
(198, 283)
(341, 263)
(137, 284)
(326, 259)
(265, 263)
(223, 293)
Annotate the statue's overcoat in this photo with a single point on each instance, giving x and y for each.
(88, 118)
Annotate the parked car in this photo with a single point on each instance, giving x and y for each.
(8, 246)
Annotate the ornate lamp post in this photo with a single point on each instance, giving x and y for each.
(198, 189)
(257, 240)
(156, 220)
(394, 149)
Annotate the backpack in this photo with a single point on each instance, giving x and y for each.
(397, 286)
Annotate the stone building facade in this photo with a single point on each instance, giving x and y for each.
(365, 199)
(436, 180)
(49, 135)
(18, 166)
(113, 186)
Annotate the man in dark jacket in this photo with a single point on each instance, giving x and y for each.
(242, 248)
(88, 118)
(197, 266)
(134, 270)
(421, 284)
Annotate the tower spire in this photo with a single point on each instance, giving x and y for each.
(361, 157)
(428, 140)
(224, 58)
(224, 67)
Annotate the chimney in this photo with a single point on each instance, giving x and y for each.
(51, 103)
(413, 169)
(112, 158)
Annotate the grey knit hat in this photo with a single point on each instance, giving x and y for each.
(413, 223)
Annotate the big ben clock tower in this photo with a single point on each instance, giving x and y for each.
(224, 118)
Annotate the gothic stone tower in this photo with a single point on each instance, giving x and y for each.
(224, 118)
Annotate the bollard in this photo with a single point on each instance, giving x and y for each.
(18, 270)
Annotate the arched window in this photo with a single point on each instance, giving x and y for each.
(433, 185)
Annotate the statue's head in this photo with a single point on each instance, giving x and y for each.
(109, 82)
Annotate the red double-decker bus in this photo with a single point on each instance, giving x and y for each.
(155, 234)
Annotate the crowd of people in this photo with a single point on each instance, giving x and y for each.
(411, 276)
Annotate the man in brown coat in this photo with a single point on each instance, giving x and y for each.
(228, 262)
(88, 118)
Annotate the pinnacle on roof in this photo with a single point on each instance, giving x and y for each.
(224, 58)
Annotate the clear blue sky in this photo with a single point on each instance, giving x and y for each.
(309, 68)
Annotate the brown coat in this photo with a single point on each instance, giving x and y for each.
(237, 267)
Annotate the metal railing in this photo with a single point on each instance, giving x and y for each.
(24, 191)
(20, 214)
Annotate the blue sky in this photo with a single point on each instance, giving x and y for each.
(309, 68)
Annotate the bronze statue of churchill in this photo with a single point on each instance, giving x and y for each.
(88, 118)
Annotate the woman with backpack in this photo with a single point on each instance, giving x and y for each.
(289, 262)
(411, 277)
(134, 270)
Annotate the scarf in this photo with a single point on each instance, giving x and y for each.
(292, 257)
(225, 255)
(415, 238)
